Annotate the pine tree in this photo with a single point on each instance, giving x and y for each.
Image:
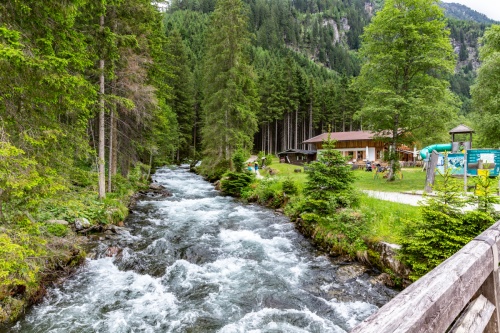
(181, 96)
(231, 100)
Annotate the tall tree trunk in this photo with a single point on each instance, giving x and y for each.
(310, 121)
(276, 136)
(270, 137)
(296, 128)
(101, 162)
(111, 150)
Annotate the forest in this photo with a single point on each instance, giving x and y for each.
(95, 94)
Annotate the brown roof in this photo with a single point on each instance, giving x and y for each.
(461, 129)
(342, 136)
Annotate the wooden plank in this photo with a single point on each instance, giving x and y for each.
(475, 318)
(431, 171)
(433, 302)
(491, 294)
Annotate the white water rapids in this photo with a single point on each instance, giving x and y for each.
(202, 262)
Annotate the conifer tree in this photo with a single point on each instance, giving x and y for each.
(231, 100)
(181, 97)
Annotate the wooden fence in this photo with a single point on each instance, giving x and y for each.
(460, 295)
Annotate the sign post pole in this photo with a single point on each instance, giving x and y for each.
(465, 171)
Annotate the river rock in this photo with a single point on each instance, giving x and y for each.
(156, 187)
(156, 190)
(217, 185)
(81, 223)
(61, 222)
(350, 271)
(384, 279)
(113, 251)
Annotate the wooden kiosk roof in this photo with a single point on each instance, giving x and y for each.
(461, 129)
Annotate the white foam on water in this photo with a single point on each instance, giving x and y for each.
(109, 299)
(352, 312)
(280, 320)
(279, 253)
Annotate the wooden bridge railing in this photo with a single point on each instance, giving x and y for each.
(460, 295)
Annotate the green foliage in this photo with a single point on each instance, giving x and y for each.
(401, 93)
(342, 232)
(58, 230)
(443, 229)
(290, 187)
(485, 92)
(485, 195)
(330, 179)
(269, 159)
(238, 160)
(234, 183)
(268, 192)
(213, 172)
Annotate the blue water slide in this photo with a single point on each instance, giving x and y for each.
(440, 147)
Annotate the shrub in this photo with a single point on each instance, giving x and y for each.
(238, 159)
(233, 183)
(269, 159)
(289, 186)
(58, 230)
(443, 230)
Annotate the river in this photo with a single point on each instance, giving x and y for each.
(202, 262)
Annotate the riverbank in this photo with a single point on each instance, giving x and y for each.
(43, 247)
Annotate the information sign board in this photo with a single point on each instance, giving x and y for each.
(490, 158)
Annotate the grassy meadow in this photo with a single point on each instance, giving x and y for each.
(386, 220)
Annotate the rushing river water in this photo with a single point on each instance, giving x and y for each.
(202, 262)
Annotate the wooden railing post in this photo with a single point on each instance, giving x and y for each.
(491, 288)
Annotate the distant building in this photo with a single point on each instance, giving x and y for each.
(297, 156)
(358, 145)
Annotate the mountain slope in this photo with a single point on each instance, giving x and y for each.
(461, 12)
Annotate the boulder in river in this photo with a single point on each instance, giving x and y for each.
(81, 223)
(156, 190)
(113, 251)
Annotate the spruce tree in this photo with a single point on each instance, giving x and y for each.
(231, 99)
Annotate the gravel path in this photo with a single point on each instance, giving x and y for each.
(405, 198)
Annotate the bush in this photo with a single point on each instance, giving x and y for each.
(238, 159)
(58, 230)
(269, 159)
(213, 172)
(233, 183)
(443, 230)
(289, 187)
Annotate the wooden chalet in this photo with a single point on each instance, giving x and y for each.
(297, 156)
(356, 145)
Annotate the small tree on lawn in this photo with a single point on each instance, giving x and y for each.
(330, 180)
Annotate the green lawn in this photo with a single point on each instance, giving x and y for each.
(413, 180)
(285, 170)
(386, 219)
